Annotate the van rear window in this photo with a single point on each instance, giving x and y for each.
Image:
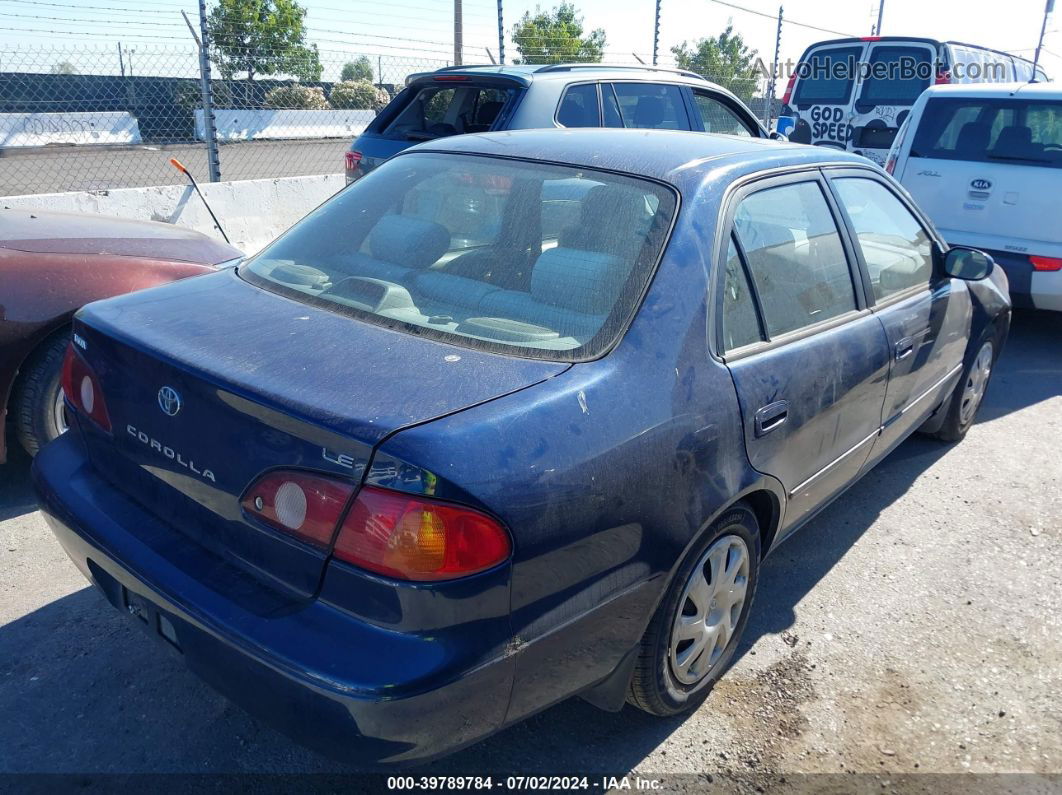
(826, 77)
(437, 111)
(1018, 131)
(896, 75)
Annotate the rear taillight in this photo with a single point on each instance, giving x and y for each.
(82, 388)
(943, 76)
(1046, 263)
(417, 538)
(890, 164)
(299, 503)
(352, 160)
(788, 95)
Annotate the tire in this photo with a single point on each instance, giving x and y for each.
(969, 393)
(37, 395)
(664, 683)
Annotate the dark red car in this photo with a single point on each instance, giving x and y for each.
(50, 265)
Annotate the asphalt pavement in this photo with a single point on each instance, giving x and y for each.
(909, 634)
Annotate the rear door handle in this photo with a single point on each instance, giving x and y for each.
(771, 416)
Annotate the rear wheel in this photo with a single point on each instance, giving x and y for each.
(697, 627)
(970, 391)
(37, 404)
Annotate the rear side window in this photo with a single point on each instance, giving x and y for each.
(436, 111)
(1017, 131)
(578, 107)
(651, 106)
(717, 117)
(539, 260)
(896, 248)
(795, 256)
(740, 324)
(827, 76)
(896, 75)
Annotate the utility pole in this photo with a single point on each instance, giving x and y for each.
(501, 34)
(1043, 29)
(772, 81)
(213, 162)
(656, 32)
(881, 11)
(121, 60)
(458, 34)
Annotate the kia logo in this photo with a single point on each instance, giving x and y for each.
(980, 184)
(169, 401)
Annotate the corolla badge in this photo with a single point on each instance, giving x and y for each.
(980, 184)
(169, 401)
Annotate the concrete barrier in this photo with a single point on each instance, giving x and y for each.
(233, 124)
(253, 212)
(40, 129)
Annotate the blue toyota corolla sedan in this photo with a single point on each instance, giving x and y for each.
(513, 418)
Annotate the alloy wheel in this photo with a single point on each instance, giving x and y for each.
(976, 383)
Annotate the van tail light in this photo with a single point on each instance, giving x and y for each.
(82, 388)
(1046, 263)
(351, 160)
(788, 95)
(943, 76)
(416, 538)
(890, 164)
(301, 504)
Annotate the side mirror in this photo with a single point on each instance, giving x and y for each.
(777, 136)
(968, 263)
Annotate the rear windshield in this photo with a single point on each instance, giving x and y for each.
(1022, 132)
(826, 77)
(896, 75)
(436, 111)
(537, 260)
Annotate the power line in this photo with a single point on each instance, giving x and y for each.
(785, 20)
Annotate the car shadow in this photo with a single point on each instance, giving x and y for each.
(16, 494)
(83, 689)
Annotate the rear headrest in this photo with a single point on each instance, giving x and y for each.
(973, 137)
(488, 112)
(1014, 141)
(649, 111)
(412, 242)
(583, 281)
(608, 222)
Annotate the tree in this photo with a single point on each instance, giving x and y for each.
(724, 59)
(557, 37)
(358, 95)
(360, 69)
(262, 37)
(63, 68)
(296, 97)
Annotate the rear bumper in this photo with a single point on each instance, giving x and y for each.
(305, 669)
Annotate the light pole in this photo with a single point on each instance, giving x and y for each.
(1043, 29)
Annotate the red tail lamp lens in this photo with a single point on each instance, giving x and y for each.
(351, 160)
(416, 538)
(82, 388)
(298, 503)
(788, 95)
(1046, 263)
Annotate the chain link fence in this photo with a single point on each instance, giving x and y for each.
(75, 119)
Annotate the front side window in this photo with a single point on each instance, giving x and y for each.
(539, 260)
(896, 248)
(795, 256)
(717, 117)
(651, 106)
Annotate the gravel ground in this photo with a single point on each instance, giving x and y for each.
(913, 628)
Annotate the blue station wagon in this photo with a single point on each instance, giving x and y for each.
(516, 417)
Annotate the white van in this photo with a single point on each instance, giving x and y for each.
(854, 94)
(985, 164)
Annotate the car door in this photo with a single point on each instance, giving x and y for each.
(925, 314)
(809, 360)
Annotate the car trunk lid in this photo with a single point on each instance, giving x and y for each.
(210, 382)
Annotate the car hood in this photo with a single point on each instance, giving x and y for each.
(43, 232)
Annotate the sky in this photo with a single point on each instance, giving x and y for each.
(399, 34)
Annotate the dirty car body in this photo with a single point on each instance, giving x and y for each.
(567, 372)
(53, 263)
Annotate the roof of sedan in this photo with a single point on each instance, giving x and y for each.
(660, 154)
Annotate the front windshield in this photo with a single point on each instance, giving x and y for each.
(541, 260)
